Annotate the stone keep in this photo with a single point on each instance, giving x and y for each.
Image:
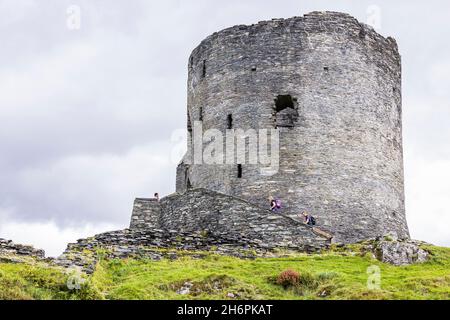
(332, 86)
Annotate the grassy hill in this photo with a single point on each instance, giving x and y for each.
(336, 274)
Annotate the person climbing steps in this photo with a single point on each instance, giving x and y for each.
(308, 219)
(311, 221)
(275, 204)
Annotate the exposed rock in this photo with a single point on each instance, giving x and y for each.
(400, 252)
(185, 289)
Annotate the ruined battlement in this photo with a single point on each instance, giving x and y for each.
(7, 247)
(286, 31)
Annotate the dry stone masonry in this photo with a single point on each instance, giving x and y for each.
(157, 244)
(225, 217)
(10, 249)
(332, 86)
(146, 214)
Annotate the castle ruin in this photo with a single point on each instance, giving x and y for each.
(332, 87)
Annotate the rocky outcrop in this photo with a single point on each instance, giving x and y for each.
(388, 249)
(9, 250)
(399, 253)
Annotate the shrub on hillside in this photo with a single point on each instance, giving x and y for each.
(288, 278)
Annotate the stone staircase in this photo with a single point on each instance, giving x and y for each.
(318, 231)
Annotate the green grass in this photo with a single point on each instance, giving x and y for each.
(332, 275)
(40, 282)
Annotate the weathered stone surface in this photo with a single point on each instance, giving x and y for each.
(146, 214)
(159, 244)
(400, 252)
(225, 217)
(9, 248)
(341, 138)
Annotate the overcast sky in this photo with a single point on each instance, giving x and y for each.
(88, 115)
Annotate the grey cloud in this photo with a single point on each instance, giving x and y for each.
(86, 116)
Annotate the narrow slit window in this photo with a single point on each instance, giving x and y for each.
(189, 128)
(204, 69)
(200, 116)
(230, 121)
(239, 171)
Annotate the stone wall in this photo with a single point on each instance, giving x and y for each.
(169, 244)
(146, 213)
(233, 218)
(226, 217)
(341, 156)
(9, 248)
(197, 220)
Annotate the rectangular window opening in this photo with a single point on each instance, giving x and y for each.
(239, 171)
(230, 121)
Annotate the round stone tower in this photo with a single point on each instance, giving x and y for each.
(332, 87)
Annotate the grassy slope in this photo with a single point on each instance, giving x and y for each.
(38, 281)
(333, 275)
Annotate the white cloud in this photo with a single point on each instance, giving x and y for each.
(48, 235)
(14, 11)
(439, 78)
(427, 202)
